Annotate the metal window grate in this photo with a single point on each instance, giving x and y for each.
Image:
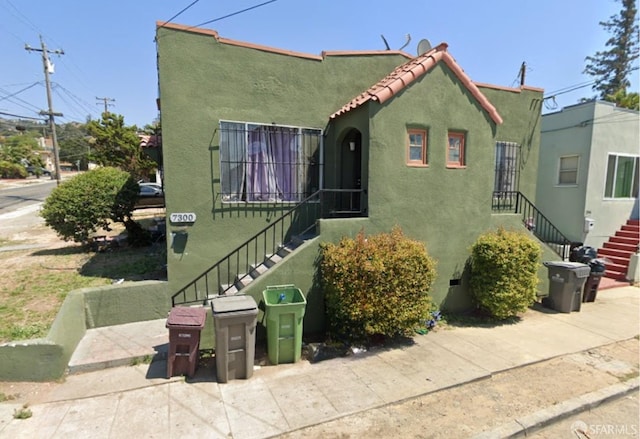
(268, 163)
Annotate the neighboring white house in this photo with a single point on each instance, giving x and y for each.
(588, 170)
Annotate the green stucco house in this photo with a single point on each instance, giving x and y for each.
(268, 153)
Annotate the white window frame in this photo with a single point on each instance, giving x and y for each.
(634, 179)
(560, 170)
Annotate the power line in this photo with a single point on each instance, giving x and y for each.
(571, 88)
(20, 91)
(14, 100)
(80, 102)
(236, 13)
(230, 15)
(19, 116)
(177, 15)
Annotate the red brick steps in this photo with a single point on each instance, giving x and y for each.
(618, 250)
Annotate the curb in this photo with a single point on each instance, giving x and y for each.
(526, 425)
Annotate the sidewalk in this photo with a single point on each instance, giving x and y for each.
(137, 401)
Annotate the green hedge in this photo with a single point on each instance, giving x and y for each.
(376, 285)
(504, 272)
(90, 201)
(12, 170)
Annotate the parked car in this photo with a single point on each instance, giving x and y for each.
(150, 190)
(37, 170)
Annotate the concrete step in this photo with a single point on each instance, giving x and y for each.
(627, 234)
(628, 248)
(615, 275)
(631, 228)
(617, 260)
(258, 270)
(614, 253)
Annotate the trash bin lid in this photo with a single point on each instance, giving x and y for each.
(186, 316)
(567, 265)
(238, 302)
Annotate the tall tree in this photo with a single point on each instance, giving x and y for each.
(118, 145)
(611, 67)
(73, 141)
(20, 149)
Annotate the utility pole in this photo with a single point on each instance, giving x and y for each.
(523, 71)
(48, 68)
(106, 104)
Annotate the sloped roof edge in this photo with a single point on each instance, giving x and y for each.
(270, 49)
(412, 70)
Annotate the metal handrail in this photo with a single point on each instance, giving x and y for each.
(534, 220)
(238, 264)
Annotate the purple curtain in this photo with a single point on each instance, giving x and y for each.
(271, 165)
(284, 149)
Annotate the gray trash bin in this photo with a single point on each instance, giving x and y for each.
(234, 321)
(566, 280)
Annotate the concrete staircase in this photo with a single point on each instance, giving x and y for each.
(242, 280)
(618, 250)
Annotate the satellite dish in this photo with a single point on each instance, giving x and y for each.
(424, 46)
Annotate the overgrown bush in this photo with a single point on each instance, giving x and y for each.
(90, 201)
(504, 267)
(376, 285)
(12, 170)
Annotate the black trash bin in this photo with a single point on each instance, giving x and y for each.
(597, 267)
(589, 255)
(583, 254)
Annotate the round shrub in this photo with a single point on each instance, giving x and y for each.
(504, 272)
(90, 201)
(376, 285)
(12, 170)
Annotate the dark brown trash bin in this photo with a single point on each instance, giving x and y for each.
(185, 325)
(591, 287)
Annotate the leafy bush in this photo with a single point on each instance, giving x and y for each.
(12, 170)
(504, 266)
(376, 285)
(88, 202)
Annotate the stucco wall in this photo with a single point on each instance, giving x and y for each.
(564, 134)
(47, 358)
(590, 130)
(203, 81)
(615, 130)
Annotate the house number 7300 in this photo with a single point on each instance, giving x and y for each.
(182, 217)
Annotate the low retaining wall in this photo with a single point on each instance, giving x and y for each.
(46, 359)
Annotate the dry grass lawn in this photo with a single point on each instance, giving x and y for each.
(38, 270)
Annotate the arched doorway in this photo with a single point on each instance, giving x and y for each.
(351, 172)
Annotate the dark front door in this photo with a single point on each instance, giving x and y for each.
(351, 174)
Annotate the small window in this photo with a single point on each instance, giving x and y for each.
(417, 152)
(455, 150)
(568, 173)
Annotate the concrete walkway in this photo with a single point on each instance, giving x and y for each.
(138, 401)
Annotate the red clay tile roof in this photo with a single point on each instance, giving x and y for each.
(405, 74)
(149, 141)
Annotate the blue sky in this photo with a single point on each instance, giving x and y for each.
(110, 52)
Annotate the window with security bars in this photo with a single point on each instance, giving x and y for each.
(268, 163)
(506, 167)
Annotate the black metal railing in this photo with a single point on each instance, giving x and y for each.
(238, 265)
(533, 220)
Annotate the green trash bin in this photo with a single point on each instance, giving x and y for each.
(284, 307)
